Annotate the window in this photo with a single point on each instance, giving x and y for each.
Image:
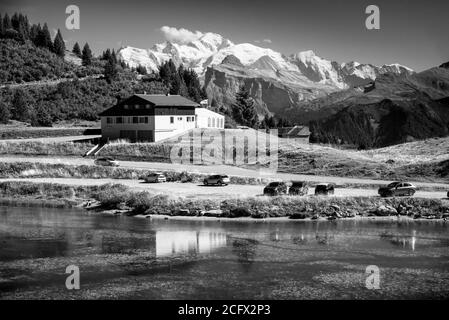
(179, 118)
(135, 119)
(172, 119)
(208, 122)
(213, 122)
(109, 120)
(147, 106)
(137, 107)
(119, 120)
(142, 120)
(125, 106)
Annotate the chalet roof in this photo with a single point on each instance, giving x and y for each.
(298, 131)
(294, 132)
(146, 103)
(162, 100)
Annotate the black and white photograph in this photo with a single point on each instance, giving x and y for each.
(246, 152)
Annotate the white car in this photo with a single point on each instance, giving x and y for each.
(106, 162)
(155, 178)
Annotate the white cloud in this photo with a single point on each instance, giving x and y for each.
(180, 35)
(264, 41)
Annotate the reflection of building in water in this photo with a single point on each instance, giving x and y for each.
(401, 241)
(175, 242)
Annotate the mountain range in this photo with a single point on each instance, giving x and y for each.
(350, 103)
(277, 82)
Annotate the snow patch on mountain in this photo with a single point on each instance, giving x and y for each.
(210, 49)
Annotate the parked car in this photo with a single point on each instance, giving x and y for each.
(155, 177)
(275, 189)
(106, 162)
(324, 189)
(218, 179)
(298, 188)
(397, 188)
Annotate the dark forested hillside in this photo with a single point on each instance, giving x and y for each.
(39, 86)
(396, 111)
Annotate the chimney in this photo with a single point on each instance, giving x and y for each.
(145, 92)
(167, 94)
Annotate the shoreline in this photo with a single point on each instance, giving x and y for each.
(120, 199)
(79, 206)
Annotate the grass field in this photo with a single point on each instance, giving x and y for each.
(426, 161)
(21, 131)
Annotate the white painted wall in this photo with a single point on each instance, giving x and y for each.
(208, 119)
(162, 126)
(165, 129)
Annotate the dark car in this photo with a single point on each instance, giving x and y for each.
(106, 162)
(324, 189)
(397, 189)
(218, 179)
(155, 177)
(298, 188)
(275, 189)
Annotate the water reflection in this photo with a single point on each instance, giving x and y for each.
(404, 241)
(245, 250)
(188, 242)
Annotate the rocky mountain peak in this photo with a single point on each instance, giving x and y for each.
(232, 60)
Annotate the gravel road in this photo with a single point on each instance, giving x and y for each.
(196, 190)
(212, 169)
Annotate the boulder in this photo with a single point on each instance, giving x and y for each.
(386, 211)
(336, 208)
(213, 213)
(298, 216)
(182, 212)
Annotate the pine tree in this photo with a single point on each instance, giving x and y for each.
(110, 70)
(114, 56)
(2, 32)
(44, 38)
(20, 108)
(77, 50)
(15, 21)
(34, 33)
(5, 114)
(244, 111)
(59, 45)
(141, 70)
(106, 55)
(26, 25)
(6, 23)
(86, 55)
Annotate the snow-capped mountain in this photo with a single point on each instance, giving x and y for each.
(276, 81)
(211, 49)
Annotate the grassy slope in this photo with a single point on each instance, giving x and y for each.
(398, 110)
(426, 160)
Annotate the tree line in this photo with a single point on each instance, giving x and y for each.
(243, 111)
(19, 28)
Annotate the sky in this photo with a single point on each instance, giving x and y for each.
(412, 33)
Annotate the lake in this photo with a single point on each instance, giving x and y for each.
(135, 258)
